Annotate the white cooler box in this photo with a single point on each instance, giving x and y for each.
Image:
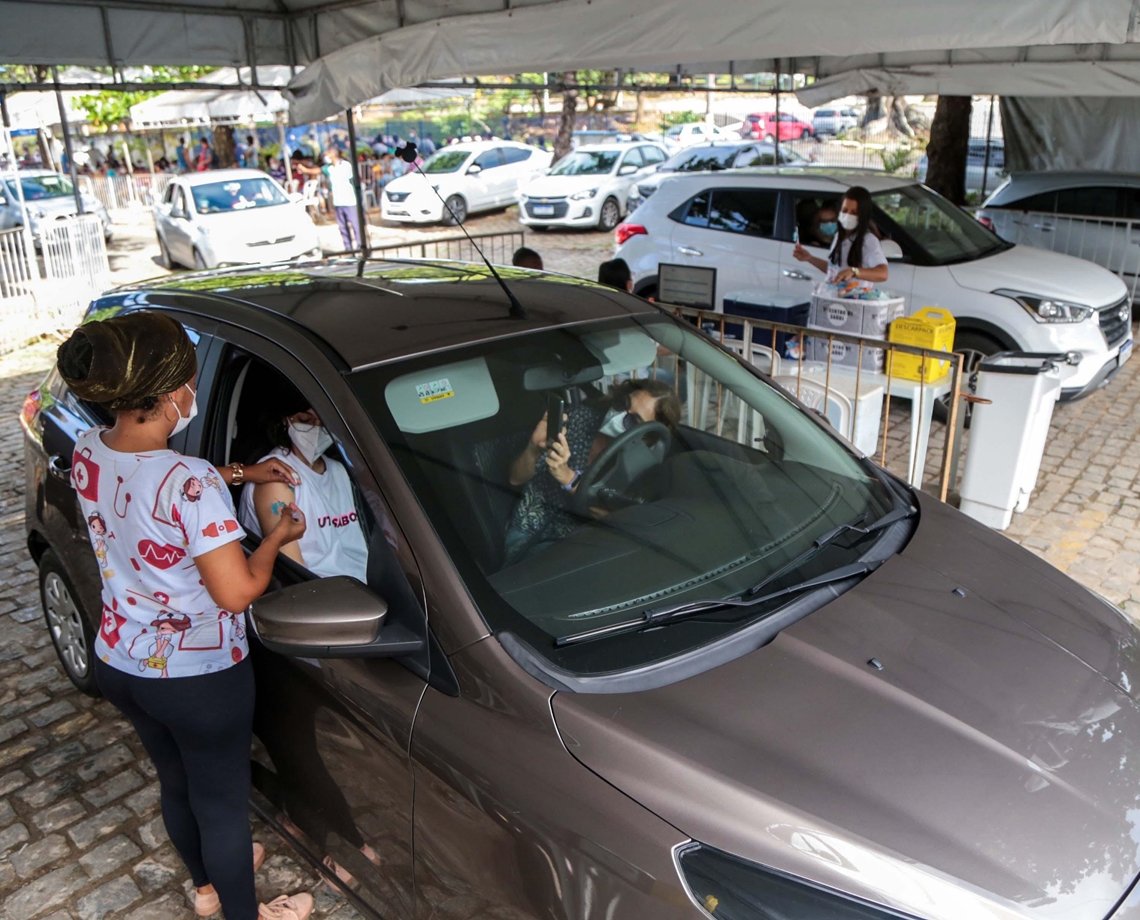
(856, 416)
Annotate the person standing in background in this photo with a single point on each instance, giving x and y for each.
(205, 159)
(343, 193)
(180, 156)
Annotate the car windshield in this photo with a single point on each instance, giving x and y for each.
(446, 161)
(689, 478)
(237, 195)
(37, 188)
(930, 230)
(586, 163)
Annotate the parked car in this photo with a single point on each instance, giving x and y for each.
(757, 685)
(231, 217)
(1091, 215)
(767, 126)
(48, 196)
(470, 177)
(697, 132)
(712, 156)
(1003, 296)
(609, 136)
(588, 187)
(833, 121)
(980, 178)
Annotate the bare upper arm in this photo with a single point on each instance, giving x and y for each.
(269, 501)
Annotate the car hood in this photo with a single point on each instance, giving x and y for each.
(558, 186)
(990, 769)
(1047, 274)
(63, 206)
(257, 224)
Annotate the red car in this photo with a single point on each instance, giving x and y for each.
(764, 124)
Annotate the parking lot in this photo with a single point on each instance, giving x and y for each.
(80, 830)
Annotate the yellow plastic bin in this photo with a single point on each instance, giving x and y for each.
(929, 327)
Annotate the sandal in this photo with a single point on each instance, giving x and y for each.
(207, 904)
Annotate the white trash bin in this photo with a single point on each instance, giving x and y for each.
(1007, 436)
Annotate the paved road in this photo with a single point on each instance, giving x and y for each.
(80, 831)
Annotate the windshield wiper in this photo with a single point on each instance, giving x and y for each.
(655, 618)
(751, 597)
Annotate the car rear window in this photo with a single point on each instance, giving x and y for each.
(748, 211)
(237, 195)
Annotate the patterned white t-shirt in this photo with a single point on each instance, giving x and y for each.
(333, 542)
(149, 516)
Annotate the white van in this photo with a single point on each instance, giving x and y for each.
(1004, 296)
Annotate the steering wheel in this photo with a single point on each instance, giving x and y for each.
(628, 455)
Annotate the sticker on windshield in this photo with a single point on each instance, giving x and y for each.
(434, 390)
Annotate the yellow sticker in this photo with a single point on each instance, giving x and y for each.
(434, 390)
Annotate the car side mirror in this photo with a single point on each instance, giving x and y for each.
(338, 617)
(627, 170)
(474, 169)
(891, 249)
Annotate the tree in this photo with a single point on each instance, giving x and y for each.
(949, 146)
(110, 109)
(564, 139)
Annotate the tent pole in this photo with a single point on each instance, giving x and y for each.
(989, 137)
(776, 130)
(283, 141)
(362, 220)
(67, 141)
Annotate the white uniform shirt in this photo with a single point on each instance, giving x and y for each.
(340, 184)
(333, 543)
(149, 516)
(873, 255)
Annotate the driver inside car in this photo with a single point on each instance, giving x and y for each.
(551, 472)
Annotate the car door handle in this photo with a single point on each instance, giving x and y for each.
(795, 275)
(689, 251)
(57, 469)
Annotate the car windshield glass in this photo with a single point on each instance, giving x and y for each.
(688, 478)
(930, 229)
(705, 158)
(446, 161)
(586, 163)
(37, 188)
(236, 195)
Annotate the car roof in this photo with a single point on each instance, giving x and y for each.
(825, 178)
(212, 176)
(379, 311)
(1027, 183)
(624, 145)
(480, 146)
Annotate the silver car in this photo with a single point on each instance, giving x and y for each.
(48, 196)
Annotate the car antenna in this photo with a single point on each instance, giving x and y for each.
(407, 153)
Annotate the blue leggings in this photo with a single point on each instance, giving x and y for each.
(198, 732)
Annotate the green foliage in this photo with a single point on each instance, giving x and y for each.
(668, 119)
(895, 160)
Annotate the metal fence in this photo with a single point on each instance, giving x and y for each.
(498, 247)
(847, 387)
(1109, 242)
(51, 293)
(132, 190)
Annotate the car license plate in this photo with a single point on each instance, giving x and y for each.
(542, 210)
(1125, 353)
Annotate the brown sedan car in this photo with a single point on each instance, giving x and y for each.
(693, 657)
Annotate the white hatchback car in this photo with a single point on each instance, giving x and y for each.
(470, 177)
(231, 217)
(588, 187)
(1004, 296)
(696, 132)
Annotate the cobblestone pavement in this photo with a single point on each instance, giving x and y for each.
(81, 837)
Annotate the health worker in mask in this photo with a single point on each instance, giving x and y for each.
(334, 542)
(855, 254)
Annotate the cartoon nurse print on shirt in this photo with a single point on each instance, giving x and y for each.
(153, 650)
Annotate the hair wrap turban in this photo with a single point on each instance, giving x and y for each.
(120, 362)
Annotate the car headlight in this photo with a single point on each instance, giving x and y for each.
(585, 193)
(730, 888)
(1049, 309)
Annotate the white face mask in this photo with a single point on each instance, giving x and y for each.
(848, 221)
(310, 441)
(184, 420)
(617, 422)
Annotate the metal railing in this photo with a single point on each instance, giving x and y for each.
(849, 391)
(1109, 242)
(137, 190)
(35, 301)
(498, 247)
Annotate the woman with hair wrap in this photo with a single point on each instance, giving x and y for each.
(855, 250)
(171, 651)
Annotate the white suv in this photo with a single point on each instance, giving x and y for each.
(478, 176)
(1004, 296)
